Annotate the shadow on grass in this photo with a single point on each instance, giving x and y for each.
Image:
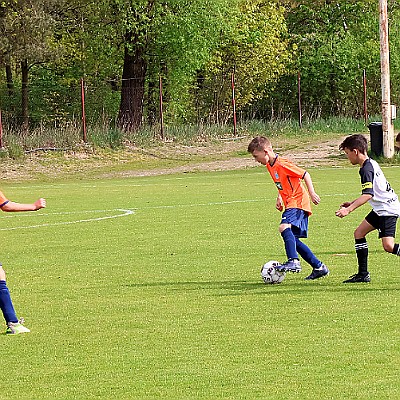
(238, 288)
(194, 285)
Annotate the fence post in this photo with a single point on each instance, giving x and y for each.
(161, 110)
(299, 99)
(365, 96)
(233, 102)
(83, 111)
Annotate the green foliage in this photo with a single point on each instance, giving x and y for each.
(291, 128)
(27, 28)
(13, 148)
(194, 46)
(67, 136)
(335, 42)
(255, 49)
(109, 138)
(191, 31)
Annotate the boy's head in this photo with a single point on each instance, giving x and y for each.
(355, 147)
(258, 143)
(261, 149)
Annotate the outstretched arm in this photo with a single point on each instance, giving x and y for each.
(347, 207)
(310, 187)
(14, 207)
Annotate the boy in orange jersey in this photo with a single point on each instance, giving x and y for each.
(14, 325)
(294, 201)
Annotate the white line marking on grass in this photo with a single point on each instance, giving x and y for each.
(218, 203)
(33, 214)
(78, 221)
(125, 212)
(221, 203)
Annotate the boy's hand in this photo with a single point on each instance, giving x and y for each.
(279, 204)
(342, 212)
(315, 198)
(40, 203)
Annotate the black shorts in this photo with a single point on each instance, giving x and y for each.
(386, 225)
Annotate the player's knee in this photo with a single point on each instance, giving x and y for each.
(2, 274)
(282, 227)
(388, 247)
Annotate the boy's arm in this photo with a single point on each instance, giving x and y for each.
(11, 206)
(279, 203)
(348, 207)
(310, 187)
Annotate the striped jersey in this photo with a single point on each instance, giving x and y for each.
(384, 200)
(288, 180)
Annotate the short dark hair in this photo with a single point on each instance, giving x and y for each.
(353, 142)
(258, 143)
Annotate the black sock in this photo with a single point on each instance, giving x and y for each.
(396, 249)
(361, 247)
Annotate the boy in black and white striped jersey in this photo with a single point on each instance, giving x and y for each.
(376, 190)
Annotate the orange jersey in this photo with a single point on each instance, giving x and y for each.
(3, 200)
(288, 179)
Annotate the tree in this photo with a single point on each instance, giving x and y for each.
(256, 49)
(335, 41)
(26, 28)
(174, 36)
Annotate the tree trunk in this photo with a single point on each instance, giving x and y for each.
(24, 96)
(132, 90)
(151, 108)
(10, 83)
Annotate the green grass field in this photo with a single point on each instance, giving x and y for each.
(166, 302)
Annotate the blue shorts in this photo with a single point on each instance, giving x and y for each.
(298, 219)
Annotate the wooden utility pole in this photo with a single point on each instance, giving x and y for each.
(387, 122)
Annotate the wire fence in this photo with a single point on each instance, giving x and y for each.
(55, 106)
(81, 106)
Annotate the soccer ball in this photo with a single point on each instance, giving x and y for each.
(270, 275)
